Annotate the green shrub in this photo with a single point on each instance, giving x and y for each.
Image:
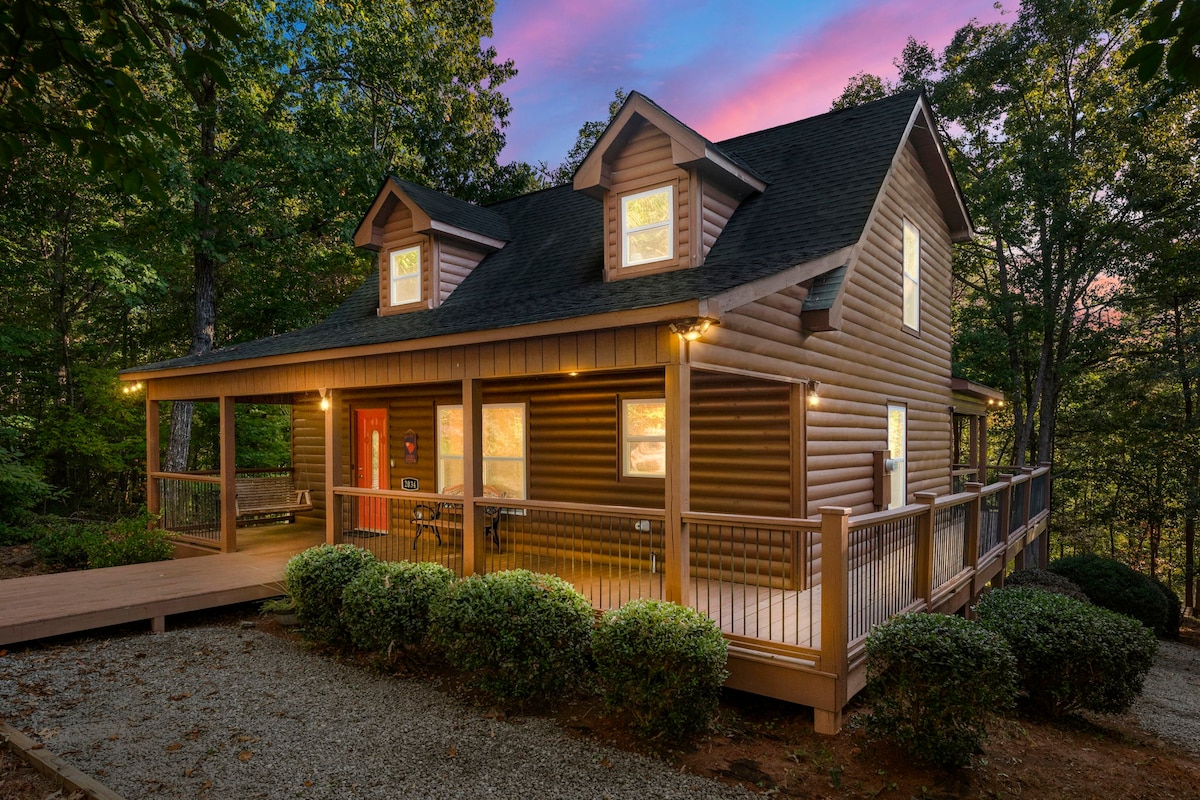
(22, 489)
(1070, 655)
(129, 541)
(934, 682)
(65, 544)
(315, 580)
(662, 663)
(1113, 585)
(1051, 582)
(387, 603)
(1174, 608)
(527, 635)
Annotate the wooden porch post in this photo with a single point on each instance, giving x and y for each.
(835, 621)
(333, 465)
(973, 459)
(474, 546)
(153, 455)
(677, 486)
(925, 546)
(228, 471)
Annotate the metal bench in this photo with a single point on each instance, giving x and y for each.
(269, 498)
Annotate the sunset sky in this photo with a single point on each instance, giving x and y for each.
(723, 68)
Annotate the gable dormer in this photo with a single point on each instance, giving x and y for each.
(667, 191)
(428, 242)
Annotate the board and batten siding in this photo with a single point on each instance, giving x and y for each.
(620, 348)
(871, 361)
(644, 163)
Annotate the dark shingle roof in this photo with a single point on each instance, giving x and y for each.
(823, 175)
(459, 213)
(825, 289)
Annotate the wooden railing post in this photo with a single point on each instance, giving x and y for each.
(333, 466)
(974, 523)
(835, 621)
(924, 571)
(153, 456)
(474, 546)
(1026, 514)
(228, 461)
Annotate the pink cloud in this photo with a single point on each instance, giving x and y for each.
(803, 79)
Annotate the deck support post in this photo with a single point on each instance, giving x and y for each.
(974, 527)
(677, 486)
(153, 456)
(835, 619)
(333, 465)
(474, 545)
(228, 471)
(925, 546)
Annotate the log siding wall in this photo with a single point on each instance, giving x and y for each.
(397, 235)
(643, 163)
(870, 361)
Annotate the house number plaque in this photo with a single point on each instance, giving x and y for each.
(410, 484)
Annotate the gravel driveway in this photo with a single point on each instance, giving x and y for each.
(1170, 701)
(224, 712)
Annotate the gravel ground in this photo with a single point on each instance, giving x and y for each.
(224, 712)
(1170, 702)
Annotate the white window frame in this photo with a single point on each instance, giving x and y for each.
(443, 458)
(911, 269)
(899, 474)
(393, 279)
(628, 439)
(669, 224)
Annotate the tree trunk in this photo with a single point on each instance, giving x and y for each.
(204, 266)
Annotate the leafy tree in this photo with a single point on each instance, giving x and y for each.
(1170, 32)
(589, 133)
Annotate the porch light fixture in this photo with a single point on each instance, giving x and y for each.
(132, 388)
(692, 328)
(324, 400)
(810, 391)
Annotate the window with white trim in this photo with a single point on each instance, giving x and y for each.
(647, 227)
(504, 449)
(912, 276)
(644, 438)
(406, 276)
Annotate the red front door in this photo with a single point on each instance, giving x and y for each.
(371, 466)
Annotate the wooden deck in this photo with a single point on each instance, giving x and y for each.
(50, 605)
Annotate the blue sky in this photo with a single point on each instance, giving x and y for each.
(723, 68)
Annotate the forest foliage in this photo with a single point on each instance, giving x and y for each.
(182, 175)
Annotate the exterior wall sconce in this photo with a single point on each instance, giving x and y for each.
(324, 400)
(692, 328)
(992, 403)
(132, 388)
(810, 391)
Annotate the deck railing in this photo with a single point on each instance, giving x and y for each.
(882, 561)
(762, 579)
(190, 505)
(757, 577)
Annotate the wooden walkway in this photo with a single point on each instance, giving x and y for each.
(69, 602)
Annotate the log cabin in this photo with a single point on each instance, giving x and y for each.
(712, 373)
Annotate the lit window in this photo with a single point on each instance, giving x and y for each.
(406, 276)
(503, 448)
(644, 438)
(912, 276)
(897, 431)
(646, 229)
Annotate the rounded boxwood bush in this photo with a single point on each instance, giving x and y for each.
(1115, 586)
(1070, 655)
(387, 604)
(315, 580)
(934, 682)
(1051, 582)
(662, 663)
(525, 634)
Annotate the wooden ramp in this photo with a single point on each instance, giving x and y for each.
(70, 602)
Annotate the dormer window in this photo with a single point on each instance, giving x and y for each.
(406, 276)
(647, 227)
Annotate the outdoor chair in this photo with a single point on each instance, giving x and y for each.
(491, 525)
(425, 517)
